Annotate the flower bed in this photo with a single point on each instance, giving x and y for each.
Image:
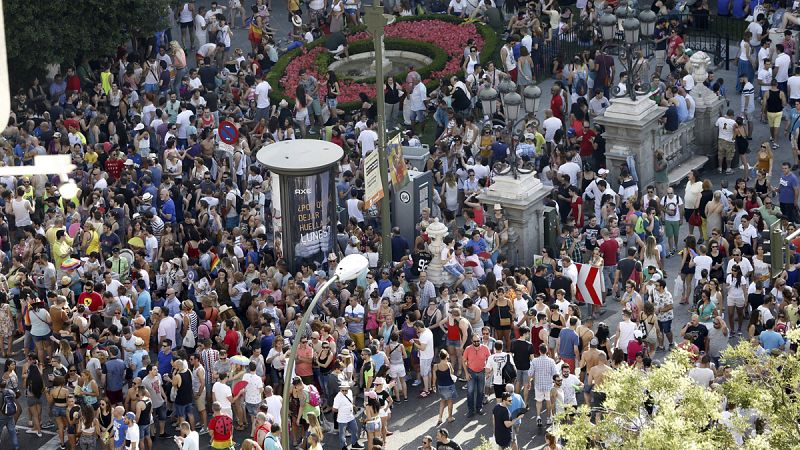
(440, 37)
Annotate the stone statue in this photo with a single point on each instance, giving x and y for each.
(436, 273)
(698, 64)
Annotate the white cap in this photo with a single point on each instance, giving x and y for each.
(147, 196)
(138, 127)
(602, 172)
(128, 162)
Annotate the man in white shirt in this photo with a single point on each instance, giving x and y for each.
(725, 125)
(793, 86)
(189, 439)
(184, 121)
(262, 98)
(550, 125)
(598, 104)
(419, 93)
(747, 231)
(222, 394)
(166, 326)
(344, 411)
(456, 8)
(368, 139)
(702, 375)
(274, 404)
(783, 62)
(252, 394)
(748, 101)
(765, 76)
(132, 433)
(424, 344)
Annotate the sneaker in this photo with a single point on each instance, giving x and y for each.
(775, 145)
(480, 412)
(549, 421)
(464, 387)
(48, 425)
(203, 430)
(729, 171)
(31, 431)
(538, 421)
(416, 383)
(356, 445)
(719, 170)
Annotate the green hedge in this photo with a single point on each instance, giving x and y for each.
(489, 52)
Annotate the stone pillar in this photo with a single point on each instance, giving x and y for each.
(523, 205)
(632, 128)
(708, 109)
(436, 273)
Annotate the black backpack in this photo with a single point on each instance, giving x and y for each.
(509, 371)
(9, 405)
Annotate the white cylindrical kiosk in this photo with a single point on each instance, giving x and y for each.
(304, 215)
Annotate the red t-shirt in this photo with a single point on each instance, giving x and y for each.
(232, 342)
(114, 167)
(93, 301)
(586, 143)
(557, 105)
(73, 83)
(576, 214)
(609, 249)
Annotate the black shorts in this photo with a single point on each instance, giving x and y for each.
(499, 389)
(186, 25)
(599, 399)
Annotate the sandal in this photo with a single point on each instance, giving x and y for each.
(451, 419)
(439, 422)
(424, 394)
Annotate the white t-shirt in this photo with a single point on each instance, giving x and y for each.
(426, 339)
(749, 92)
(496, 362)
(252, 393)
(343, 404)
(725, 126)
(457, 6)
(757, 31)
(183, 123)
(221, 392)
(672, 208)
(262, 94)
(274, 404)
(764, 79)
(167, 328)
(688, 82)
(793, 86)
(551, 125)
(702, 376)
(625, 332)
(132, 434)
(748, 234)
(701, 262)
(571, 169)
(762, 54)
(368, 139)
(192, 440)
(782, 64)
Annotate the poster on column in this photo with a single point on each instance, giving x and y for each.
(310, 217)
(277, 217)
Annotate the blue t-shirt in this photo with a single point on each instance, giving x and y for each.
(516, 404)
(499, 151)
(164, 362)
(794, 119)
(119, 432)
(144, 303)
(723, 7)
(115, 374)
(568, 339)
(168, 207)
(770, 340)
(786, 188)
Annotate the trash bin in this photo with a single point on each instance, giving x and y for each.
(417, 156)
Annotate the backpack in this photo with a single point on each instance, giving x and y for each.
(222, 425)
(9, 405)
(509, 372)
(313, 395)
(219, 38)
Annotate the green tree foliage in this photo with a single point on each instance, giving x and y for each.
(39, 33)
(665, 409)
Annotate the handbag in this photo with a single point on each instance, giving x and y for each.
(695, 219)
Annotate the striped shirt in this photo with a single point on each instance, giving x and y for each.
(542, 369)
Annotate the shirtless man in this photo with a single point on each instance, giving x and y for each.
(589, 359)
(596, 376)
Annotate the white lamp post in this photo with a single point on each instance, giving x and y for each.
(349, 268)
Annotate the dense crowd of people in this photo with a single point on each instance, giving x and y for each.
(154, 304)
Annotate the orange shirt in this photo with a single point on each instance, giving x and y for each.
(144, 333)
(304, 369)
(476, 357)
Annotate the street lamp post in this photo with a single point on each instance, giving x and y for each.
(349, 268)
(375, 21)
(634, 31)
(513, 106)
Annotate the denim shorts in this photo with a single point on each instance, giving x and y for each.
(46, 337)
(59, 411)
(455, 343)
(447, 392)
(373, 425)
(183, 410)
(665, 326)
(252, 408)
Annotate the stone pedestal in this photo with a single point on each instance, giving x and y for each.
(523, 205)
(436, 273)
(708, 109)
(632, 128)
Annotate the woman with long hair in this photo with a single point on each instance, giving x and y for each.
(302, 100)
(105, 423)
(651, 255)
(691, 198)
(372, 420)
(88, 429)
(444, 382)
(34, 388)
(687, 272)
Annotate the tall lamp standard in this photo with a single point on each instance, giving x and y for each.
(513, 107)
(375, 21)
(349, 268)
(633, 32)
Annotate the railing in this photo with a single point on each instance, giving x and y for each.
(677, 145)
